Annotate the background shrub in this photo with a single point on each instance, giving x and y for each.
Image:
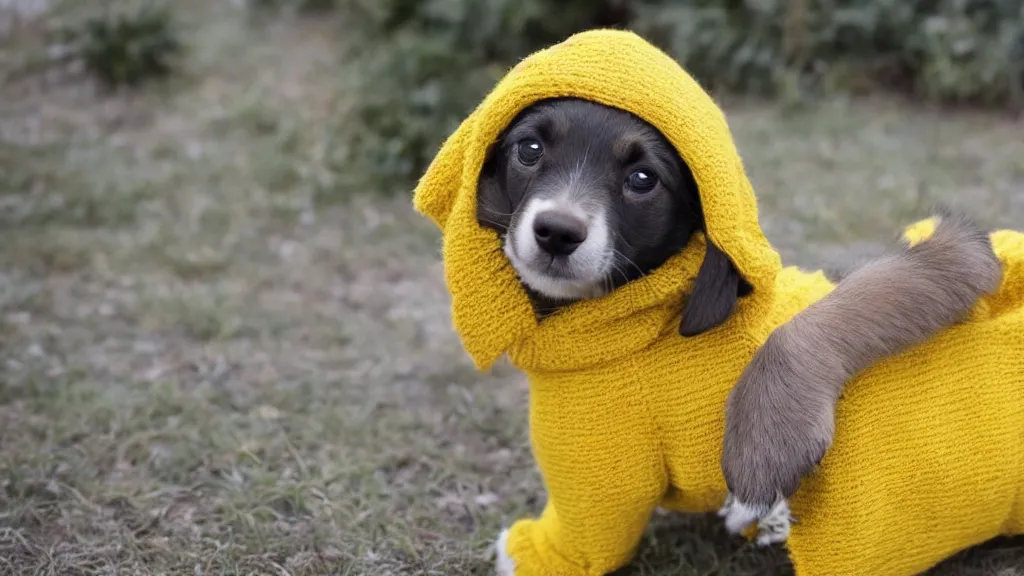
(427, 63)
(301, 6)
(962, 51)
(122, 43)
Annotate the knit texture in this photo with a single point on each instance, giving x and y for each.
(626, 415)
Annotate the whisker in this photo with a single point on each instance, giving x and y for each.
(627, 259)
(490, 210)
(622, 239)
(610, 274)
(492, 222)
(625, 276)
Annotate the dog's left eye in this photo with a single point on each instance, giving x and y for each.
(529, 151)
(642, 181)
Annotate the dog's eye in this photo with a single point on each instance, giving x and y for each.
(642, 181)
(529, 151)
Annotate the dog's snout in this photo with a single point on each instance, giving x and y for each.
(559, 233)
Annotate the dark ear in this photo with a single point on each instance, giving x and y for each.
(715, 291)
(493, 206)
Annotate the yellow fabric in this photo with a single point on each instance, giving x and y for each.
(626, 415)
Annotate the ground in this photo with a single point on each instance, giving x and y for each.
(216, 357)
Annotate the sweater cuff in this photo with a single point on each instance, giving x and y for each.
(533, 554)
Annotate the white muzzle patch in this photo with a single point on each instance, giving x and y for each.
(579, 275)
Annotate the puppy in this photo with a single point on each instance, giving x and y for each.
(587, 198)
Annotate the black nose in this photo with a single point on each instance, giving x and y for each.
(558, 233)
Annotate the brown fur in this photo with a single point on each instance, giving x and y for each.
(780, 415)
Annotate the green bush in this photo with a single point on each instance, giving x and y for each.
(962, 51)
(301, 6)
(428, 62)
(127, 45)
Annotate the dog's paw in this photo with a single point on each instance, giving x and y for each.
(774, 527)
(769, 460)
(503, 563)
(773, 523)
(738, 515)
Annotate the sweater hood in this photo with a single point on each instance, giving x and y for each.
(490, 310)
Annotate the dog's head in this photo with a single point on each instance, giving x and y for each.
(587, 198)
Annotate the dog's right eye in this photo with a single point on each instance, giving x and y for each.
(529, 151)
(642, 181)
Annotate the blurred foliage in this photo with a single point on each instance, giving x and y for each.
(961, 51)
(429, 62)
(122, 43)
(424, 64)
(300, 6)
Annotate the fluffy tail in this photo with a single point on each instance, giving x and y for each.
(902, 300)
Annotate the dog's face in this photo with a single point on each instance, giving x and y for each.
(587, 198)
(590, 198)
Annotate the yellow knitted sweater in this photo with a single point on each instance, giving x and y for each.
(626, 415)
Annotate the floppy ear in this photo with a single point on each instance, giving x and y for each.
(493, 206)
(717, 287)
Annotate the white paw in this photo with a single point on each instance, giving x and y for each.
(503, 565)
(773, 524)
(739, 515)
(774, 527)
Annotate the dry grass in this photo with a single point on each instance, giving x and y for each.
(216, 359)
